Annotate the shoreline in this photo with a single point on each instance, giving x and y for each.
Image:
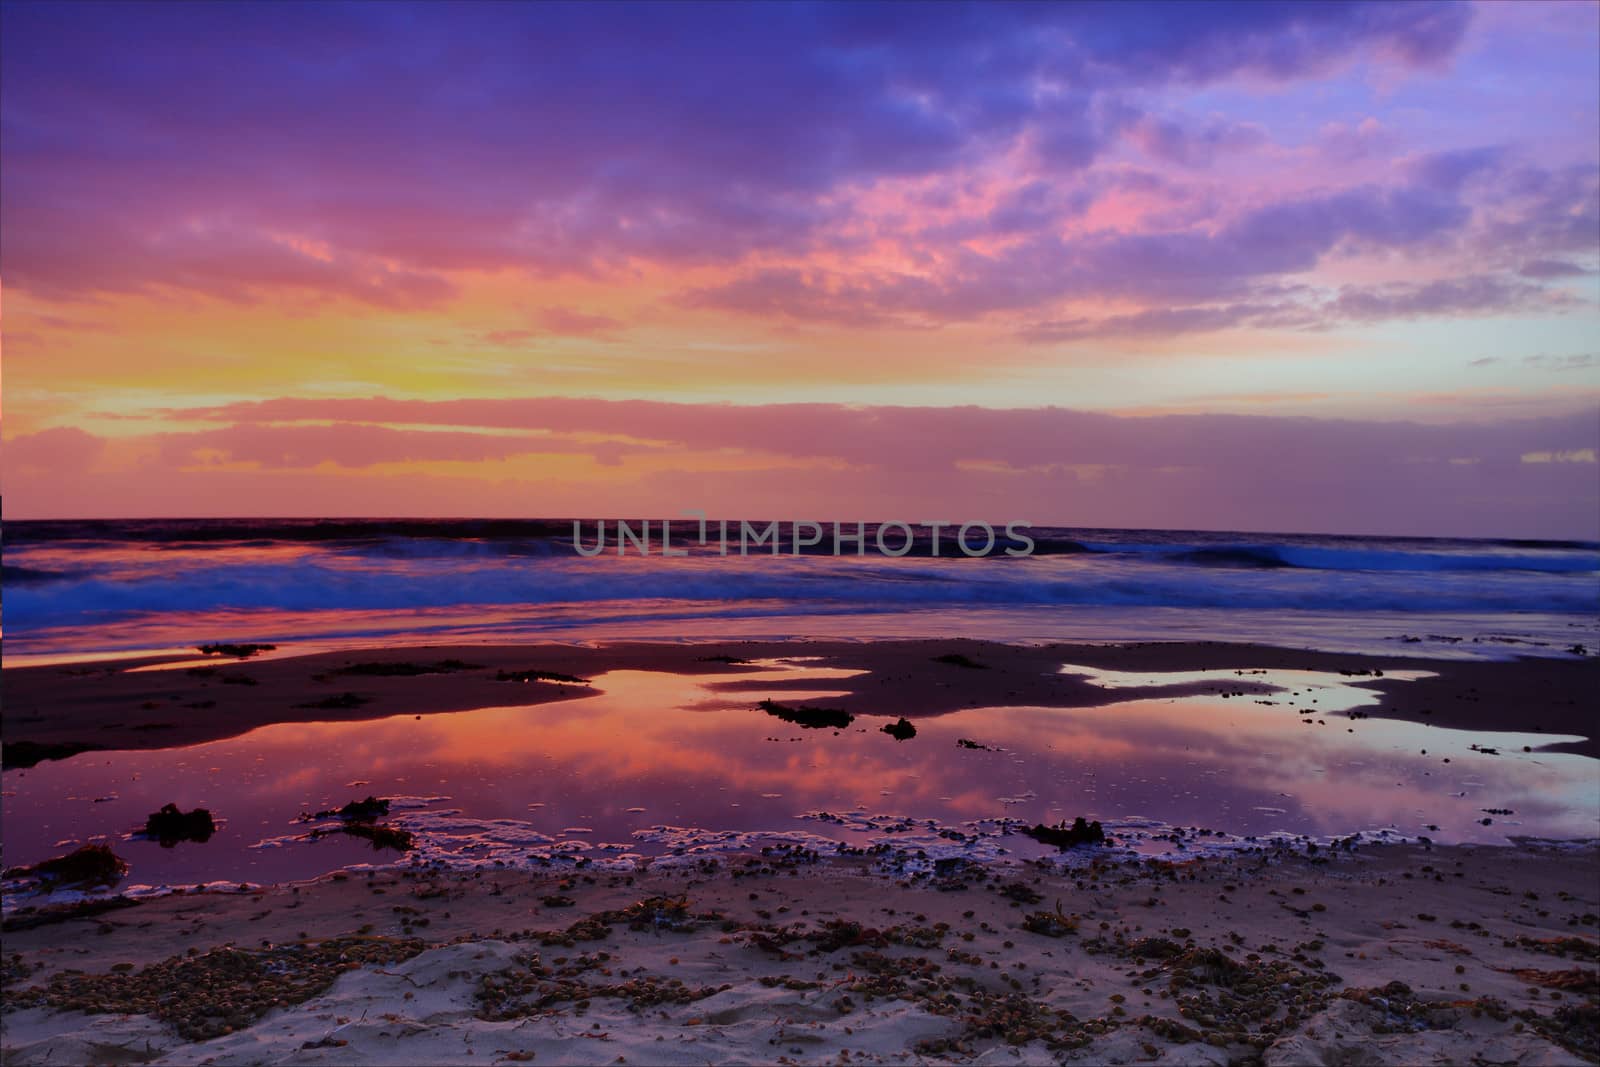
(1282, 951)
(1278, 959)
(111, 705)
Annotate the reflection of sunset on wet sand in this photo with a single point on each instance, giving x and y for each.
(655, 749)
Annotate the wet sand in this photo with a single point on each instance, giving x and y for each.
(1395, 954)
(114, 705)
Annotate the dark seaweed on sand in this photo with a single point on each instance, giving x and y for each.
(1081, 832)
(811, 718)
(218, 992)
(720, 659)
(242, 651)
(382, 669)
(31, 918)
(336, 703)
(170, 825)
(21, 754)
(956, 659)
(538, 676)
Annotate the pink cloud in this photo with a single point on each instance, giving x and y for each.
(1047, 465)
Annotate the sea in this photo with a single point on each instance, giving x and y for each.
(73, 588)
(651, 767)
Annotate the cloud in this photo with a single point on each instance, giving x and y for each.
(1286, 237)
(369, 154)
(1195, 145)
(830, 460)
(1551, 268)
(357, 445)
(1454, 168)
(571, 323)
(1474, 295)
(903, 437)
(1578, 361)
(1162, 322)
(64, 449)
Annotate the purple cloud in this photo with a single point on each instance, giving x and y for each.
(169, 145)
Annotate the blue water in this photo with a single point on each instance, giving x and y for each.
(77, 587)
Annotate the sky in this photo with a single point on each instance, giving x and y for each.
(1278, 267)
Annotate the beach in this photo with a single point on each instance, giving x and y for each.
(1395, 954)
(757, 926)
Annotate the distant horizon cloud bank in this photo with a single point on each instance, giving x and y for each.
(554, 456)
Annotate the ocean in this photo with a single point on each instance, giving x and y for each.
(77, 587)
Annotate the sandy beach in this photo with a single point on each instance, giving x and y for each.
(1281, 951)
(1394, 954)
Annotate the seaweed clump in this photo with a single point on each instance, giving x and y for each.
(901, 731)
(381, 836)
(170, 825)
(1081, 832)
(87, 865)
(807, 716)
(357, 810)
(532, 989)
(359, 818)
(656, 913)
(226, 989)
(539, 676)
(23, 754)
(956, 659)
(341, 702)
(239, 651)
(397, 669)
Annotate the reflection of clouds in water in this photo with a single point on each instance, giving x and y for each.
(658, 749)
(1229, 751)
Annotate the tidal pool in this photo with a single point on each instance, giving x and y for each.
(659, 764)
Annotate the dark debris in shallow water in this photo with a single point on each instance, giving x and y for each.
(380, 836)
(807, 716)
(901, 730)
(1081, 832)
(86, 866)
(170, 825)
(356, 810)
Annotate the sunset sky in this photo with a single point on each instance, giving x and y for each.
(1328, 268)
